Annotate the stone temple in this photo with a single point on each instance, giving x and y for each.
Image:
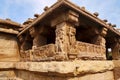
(65, 42)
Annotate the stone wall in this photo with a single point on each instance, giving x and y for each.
(64, 70)
(9, 50)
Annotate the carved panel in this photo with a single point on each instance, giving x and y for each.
(88, 51)
(42, 53)
(62, 40)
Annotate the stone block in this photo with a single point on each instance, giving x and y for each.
(8, 48)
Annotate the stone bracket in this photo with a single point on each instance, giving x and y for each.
(104, 32)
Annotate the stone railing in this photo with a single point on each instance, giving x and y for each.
(80, 50)
(26, 55)
(42, 53)
(87, 51)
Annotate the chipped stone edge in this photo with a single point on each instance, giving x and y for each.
(73, 67)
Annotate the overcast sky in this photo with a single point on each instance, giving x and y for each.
(21, 10)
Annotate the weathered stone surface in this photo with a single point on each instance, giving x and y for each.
(68, 16)
(116, 63)
(8, 73)
(34, 76)
(9, 22)
(66, 45)
(39, 40)
(65, 70)
(9, 50)
(117, 69)
(22, 65)
(98, 76)
(117, 73)
(43, 53)
(116, 51)
(74, 68)
(62, 37)
(68, 67)
(10, 78)
(62, 41)
(86, 51)
(7, 65)
(10, 31)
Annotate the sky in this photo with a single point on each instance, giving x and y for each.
(21, 10)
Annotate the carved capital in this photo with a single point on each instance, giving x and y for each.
(72, 17)
(68, 16)
(32, 31)
(104, 32)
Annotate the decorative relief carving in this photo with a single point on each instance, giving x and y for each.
(42, 53)
(89, 51)
(62, 41)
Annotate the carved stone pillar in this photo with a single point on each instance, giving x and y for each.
(116, 51)
(62, 40)
(33, 34)
(23, 46)
(100, 38)
(39, 40)
(72, 33)
(25, 43)
(72, 42)
(65, 33)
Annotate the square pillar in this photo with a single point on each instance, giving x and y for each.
(65, 33)
(38, 38)
(62, 40)
(100, 38)
(116, 51)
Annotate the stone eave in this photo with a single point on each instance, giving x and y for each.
(8, 31)
(72, 6)
(10, 23)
